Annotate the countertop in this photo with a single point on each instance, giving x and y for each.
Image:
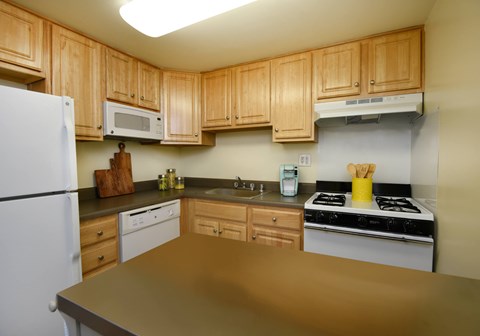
(97, 207)
(201, 285)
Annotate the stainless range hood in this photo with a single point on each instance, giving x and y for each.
(369, 110)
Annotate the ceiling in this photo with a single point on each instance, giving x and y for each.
(259, 30)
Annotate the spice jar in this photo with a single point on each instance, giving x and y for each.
(162, 182)
(179, 183)
(171, 177)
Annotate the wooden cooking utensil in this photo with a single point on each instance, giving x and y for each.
(371, 170)
(358, 167)
(363, 170)
(352, 170)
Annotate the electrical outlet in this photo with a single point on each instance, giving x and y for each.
(304, 160)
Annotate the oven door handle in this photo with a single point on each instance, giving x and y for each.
(366, 234)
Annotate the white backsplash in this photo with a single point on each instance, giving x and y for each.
(388, 145)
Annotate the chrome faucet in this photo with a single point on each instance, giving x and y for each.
(238, 183)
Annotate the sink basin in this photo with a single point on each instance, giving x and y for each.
(240, 193)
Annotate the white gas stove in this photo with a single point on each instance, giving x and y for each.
(389, 230)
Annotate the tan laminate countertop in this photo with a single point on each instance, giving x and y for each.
(201, 285)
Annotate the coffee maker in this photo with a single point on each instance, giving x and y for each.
(288, 179)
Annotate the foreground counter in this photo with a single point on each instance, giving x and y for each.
(201, 285)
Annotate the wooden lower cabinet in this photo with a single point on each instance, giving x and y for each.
(224, 220)
(277, 238)
(273, 226)
(99, 244)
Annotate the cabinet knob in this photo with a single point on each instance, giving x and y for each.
(254, 237)
(274, 219)
(196, 134)
(99, 127)
(101, 257)
(356, 84)
(220, 231)
(237, 117)
(214, 230)
(227, 117)
(100, 233)
(132, 95)
(372, 82)
(276, 130)
(142, 97)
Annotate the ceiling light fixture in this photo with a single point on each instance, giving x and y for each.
(160, 17)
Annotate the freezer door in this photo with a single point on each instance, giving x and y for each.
(39, 257)
(37, 138)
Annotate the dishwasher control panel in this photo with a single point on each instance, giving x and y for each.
(137, 219)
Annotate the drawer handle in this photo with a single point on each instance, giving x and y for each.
(101, 257)
(254, 237)
(274, 219)
(100, 233)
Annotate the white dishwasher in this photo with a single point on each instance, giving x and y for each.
(146, 228)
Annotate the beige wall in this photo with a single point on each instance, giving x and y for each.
(147, 161)
(452, 85)
(248, 154)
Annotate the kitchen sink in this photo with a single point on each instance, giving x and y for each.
(240, 193)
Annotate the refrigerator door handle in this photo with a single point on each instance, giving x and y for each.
(75, 234)
(69, 123)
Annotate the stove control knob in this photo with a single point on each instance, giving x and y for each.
(333, 218)
(362, 222)
(390, 223)
(320, 217)
(410, 226)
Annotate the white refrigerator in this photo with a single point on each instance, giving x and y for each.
(39, 220)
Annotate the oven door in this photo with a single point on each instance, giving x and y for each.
(372, 246)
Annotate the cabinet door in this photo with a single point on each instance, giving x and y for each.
(76, 72)
(336, 71)
(291, 99)
(148, 86)
(231, 230)
(21, 40)
(216, 98)
(252, 94)
(275, 238)
(395, 62)
(206, 226)
(181, 107)
(121, 77)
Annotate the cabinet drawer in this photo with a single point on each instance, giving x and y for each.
(275, 238)
(221, 211)
(288, 219)
(99, 255)
(98, 230)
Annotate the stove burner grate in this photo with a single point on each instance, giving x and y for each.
(330, 199)
(396, 204)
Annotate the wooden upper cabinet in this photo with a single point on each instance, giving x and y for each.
(121, 77)
(181, 107)
(148, 86)
(395, 62)
(77, 69)
(336, 71)
(21, 38)
(251, 98)
(291, 98)
(216, 98)
(132, 82)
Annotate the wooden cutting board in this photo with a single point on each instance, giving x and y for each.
(118, 179)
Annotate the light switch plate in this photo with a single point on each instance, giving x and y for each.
(304, 160)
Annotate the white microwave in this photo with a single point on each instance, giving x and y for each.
(122, 121)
